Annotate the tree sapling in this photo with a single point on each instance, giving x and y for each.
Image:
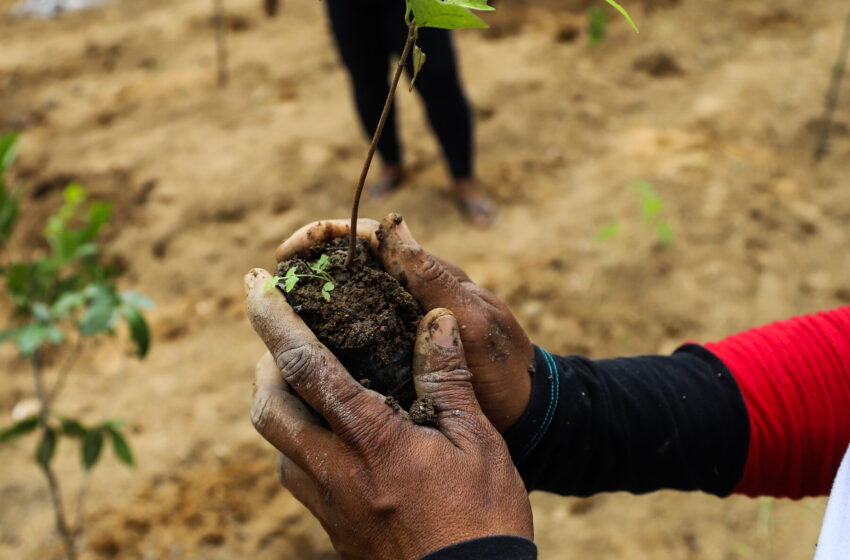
(370, 323)
(60, 300)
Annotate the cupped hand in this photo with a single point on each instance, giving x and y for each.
(382, 486)
(498, 351)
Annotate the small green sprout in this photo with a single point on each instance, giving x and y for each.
(292, 277)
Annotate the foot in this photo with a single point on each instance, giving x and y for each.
(389, 182)
(477, 207)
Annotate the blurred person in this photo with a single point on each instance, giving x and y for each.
(368, 33)
(763, 412)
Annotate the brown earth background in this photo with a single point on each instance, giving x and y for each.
(714, 103)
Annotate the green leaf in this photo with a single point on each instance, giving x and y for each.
(40, 312)
(136, 300)
(418, 61)
(597, 22)
(290, 283)
(46, 447)
(73, 428)
(327, 289)
(608, 231)
(113, 423)
(471, 4)
(9, 143)
(74, 194)
(121, 448)
(435, 13)
(623, 11)
(102, 310)
(18, 429)
(290, 279)
(84, 250)
(29, 338)
(139, 331)
(651, 207)
(99, 213)
(321, 264)
(66, 303)
(271, 283)
(665, 233)
(8, 212)
(53, 334)
(92, 446)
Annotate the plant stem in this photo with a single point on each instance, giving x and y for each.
(352, 246)
(62, 374)
(221, 47)
(822, 144)
(55, 494)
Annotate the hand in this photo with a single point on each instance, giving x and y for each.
(498, 351)
(382, 486)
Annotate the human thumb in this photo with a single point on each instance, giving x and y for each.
(441, 376)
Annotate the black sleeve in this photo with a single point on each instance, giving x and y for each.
(635, 424)
(501, 547)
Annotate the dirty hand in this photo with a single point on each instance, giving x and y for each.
(382, 486)
(498, 351)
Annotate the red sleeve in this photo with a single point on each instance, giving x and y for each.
(795, 379)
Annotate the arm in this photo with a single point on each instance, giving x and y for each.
(623, 424)
(763, 412)
(795, 380)
(635, 424)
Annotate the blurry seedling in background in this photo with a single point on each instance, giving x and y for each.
(443, 14)
(597, 21)
(652, 205)
(292, 277)
(59, 300)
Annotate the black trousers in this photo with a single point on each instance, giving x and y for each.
(367, 33)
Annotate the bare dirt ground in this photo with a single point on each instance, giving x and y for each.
(714, 103)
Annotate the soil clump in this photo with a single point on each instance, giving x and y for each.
(369, 322)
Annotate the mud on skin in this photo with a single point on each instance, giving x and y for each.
(369, 323)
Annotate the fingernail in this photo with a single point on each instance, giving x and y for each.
(249, 280)
(404, 233)
(444, 332)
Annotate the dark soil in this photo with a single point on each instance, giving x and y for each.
(369, 323)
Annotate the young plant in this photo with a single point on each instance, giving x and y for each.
(652, 205)
(292, 277)
(597, 23)
(443, 14)
(59, 300)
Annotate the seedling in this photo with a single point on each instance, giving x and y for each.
(59, 301)
(597, 23)
(652, 206)
(443, 14)
(291, 278)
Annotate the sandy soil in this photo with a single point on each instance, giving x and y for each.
(714, 103)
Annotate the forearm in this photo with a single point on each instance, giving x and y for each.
(763, 412)
(635, 424)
